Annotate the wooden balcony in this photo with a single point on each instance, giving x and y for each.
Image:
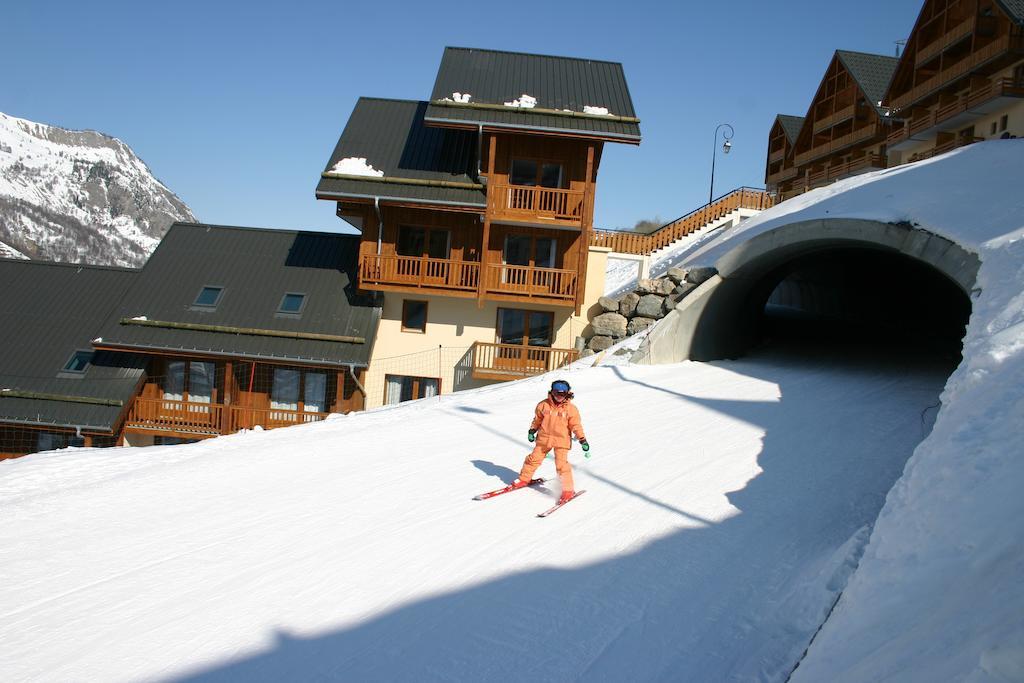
(946, 40)
(554, 284)
(512, 361)
(944, 147)
(776, 155)
(839, 116)
(969, 100)
(542, 205)
(404, 272)
(782, 176)
(842, 142)
(957, 71)
(192, 419)
(868, 162)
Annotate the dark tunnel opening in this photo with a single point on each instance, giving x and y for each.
(860, 299)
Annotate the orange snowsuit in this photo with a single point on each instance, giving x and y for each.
(553, 423)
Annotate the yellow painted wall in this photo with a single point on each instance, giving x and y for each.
(454, 325)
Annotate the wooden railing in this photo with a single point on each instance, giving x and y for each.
(523, 202)
(176, 416)
(777, 154)
(416, 271)
(958, 70)
(833, 173)
(837, 144)
(996, 87)
(243, 417)
(554, 283)
(782, 176)
(625, 242)
(944, 147)
(950, 37)
(504, 361)
(832, 119)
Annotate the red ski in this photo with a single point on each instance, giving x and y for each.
(507, 489)
(560, 504)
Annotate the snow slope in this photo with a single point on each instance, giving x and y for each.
(79, 196)
(724, 509)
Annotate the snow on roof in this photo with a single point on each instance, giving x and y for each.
(356, 166)
(596, 111)
(524, 101)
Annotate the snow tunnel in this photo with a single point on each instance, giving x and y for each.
(840, 280)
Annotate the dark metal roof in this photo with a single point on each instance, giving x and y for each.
(493, 77)
(791, 126)
(872, 73)
(255, 267)
(391, 136)
(47, 312)
(1014, 9)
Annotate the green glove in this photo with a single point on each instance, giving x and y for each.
(586, 448)
(532, 435)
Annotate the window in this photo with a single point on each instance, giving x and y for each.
(78, 362)
(292, 303)
(992, 131)
(526, 250)
(532, 173)
(414, 316)
(284, 394)
(525, 328)
(401, 388)
(191, 381)
(208, 297)
(314, 393)
(432, 243)
(1004, 120)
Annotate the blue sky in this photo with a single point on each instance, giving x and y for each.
(237, 106)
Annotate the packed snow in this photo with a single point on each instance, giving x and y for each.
(356, 166)
(596, 111)
(462, 98)
(729, 506)
(524, 101)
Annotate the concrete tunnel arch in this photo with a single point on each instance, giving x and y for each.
(721, 318)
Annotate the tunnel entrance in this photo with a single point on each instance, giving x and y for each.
(860, 299)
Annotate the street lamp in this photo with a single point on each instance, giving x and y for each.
(726, 146)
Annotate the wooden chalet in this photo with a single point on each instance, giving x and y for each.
(780, 167)
(844, 131)
(55, 390)
(476, 207)
(960, 79)
(242, 328)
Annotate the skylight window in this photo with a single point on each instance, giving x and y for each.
(292, 303)
(209, 297)
(78, 362)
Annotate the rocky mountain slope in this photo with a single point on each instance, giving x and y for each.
(79, 196)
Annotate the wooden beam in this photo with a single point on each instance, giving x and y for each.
(588, 223)
(227, 329)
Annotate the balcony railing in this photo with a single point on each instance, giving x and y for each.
(782, 176)
(416, 271)
(207, 419)
(944, 147)
(832, 119)
(508, 361)
(626, 242)
(971, 99)
(777, 154)
(949, 38)
(867, 162)
(837, 144)
(549, 283)
(526, 203)
(962, 68)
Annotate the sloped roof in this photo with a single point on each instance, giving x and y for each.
(791, 125)
(872, 73)
(562, 86)
(47, 312)
(255, 267)
(392, 137)
(1014, 9)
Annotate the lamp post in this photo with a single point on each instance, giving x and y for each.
(726, 146)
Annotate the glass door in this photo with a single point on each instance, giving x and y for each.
(525, 338)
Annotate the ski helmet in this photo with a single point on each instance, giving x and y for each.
(560, 386)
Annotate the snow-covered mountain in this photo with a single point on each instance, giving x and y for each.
(79, 196)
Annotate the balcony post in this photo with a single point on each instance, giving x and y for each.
(486, 237)
(229, 392)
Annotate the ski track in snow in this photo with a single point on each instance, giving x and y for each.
(351, 549)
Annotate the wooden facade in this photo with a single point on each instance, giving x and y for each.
(963, 67)
(235, 394)
(458, 251)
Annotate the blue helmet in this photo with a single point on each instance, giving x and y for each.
(560, 386)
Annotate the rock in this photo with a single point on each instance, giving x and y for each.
(637, 324)
(627, 305)
(586, 352)
(650, 306)
(670, 302)
(580, 344)
(699, 275)
(677, 275)
(609, 304)
(652, 286)
(609, 325)
(683, 289)
(600, 342)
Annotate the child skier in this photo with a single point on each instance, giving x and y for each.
(554, 419)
